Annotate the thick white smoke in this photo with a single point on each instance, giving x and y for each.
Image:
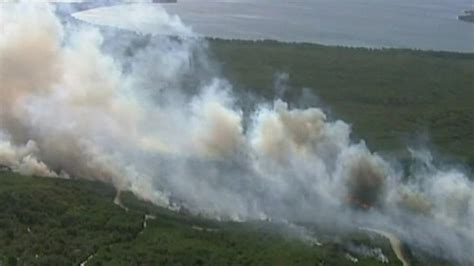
(157, 121)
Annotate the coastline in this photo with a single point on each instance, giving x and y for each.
(470, 55)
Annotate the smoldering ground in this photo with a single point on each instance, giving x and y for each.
(150, 114)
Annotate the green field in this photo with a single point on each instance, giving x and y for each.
(392, 98)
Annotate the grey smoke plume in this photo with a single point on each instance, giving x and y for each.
(366, 251)
(159, 122)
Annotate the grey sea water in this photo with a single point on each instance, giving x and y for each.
(419, 24)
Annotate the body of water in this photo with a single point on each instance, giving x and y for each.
(416, 24)
(420, 24)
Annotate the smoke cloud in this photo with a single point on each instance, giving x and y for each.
(149, 114)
